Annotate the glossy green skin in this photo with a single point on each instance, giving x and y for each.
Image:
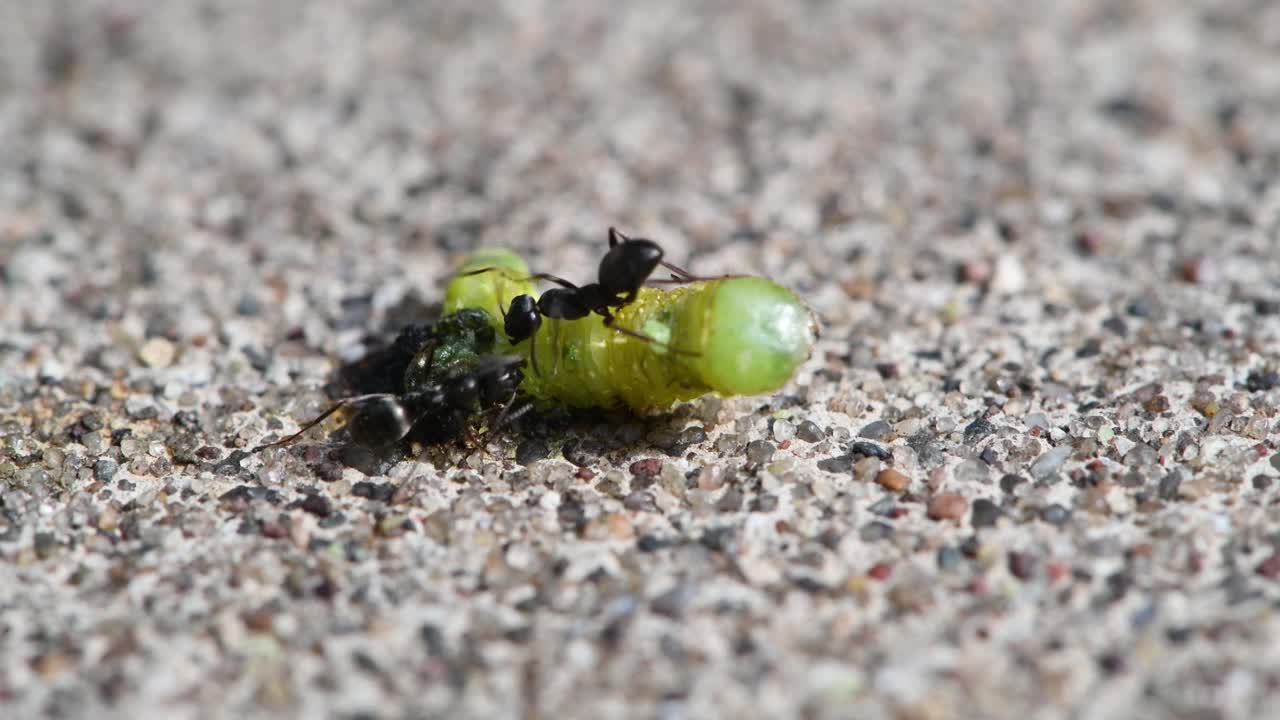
(729, 336)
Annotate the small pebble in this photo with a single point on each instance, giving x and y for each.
(875, 430)
(531, 451)
(1055, 514)
(1022, 565)
(875, 531)
(977, 430)
(157, 353)
(947, 506)
(985, 513)
(1048, 464)
(759, 452)
(948, 557)
(892, 480)
(809, 431)
(783, 430)
(647, 468)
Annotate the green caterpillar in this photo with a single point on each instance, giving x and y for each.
(731, 336)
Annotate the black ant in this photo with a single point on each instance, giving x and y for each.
(382, 419)
(623, 271)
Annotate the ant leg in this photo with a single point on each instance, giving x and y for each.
(533, 353)
(336, 406)
(553, 278)
(609, 323)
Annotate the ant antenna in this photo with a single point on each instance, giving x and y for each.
(336, 406)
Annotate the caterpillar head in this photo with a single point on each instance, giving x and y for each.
(752, 335)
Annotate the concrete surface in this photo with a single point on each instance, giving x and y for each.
(1030, 472)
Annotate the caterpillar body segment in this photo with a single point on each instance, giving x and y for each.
(731, 336)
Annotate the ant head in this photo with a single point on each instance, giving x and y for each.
(500, 378)
(462, 392)
(522, 319)
(628, 264)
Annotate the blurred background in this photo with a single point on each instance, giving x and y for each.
(850, 149)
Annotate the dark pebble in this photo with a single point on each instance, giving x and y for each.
(693, 435)
(1011, 481)
(381, 492)
(331, 521)
(985, 513)
(1178, 635)
(760, 452)
(875, 430)
(673, 602)
(105, 469)
(531, 451)
(887, 370)
(1111, 663)
(1139, 308)
(765, 503)
(989, 456)
(651, 543)
(869, 449)
(718, 538)
(582, 452)
(328, 471)
(209, 453)
(1266, 307)
(928, 451)
(883, 506)
(1091, 348)
(1270, 568)
(571, 513)
(1055, 514)
(365, 459)
(640, 501)
(231, 466)
(1118, 584)
(875, 531)
(731, 501)
(977, 430)
(248, 306)
(1116, 325)
(91, 421)
(647, 468)
(245, 493)
(1170, 487)
(45, 544)
(1261, 482)
(809, 431)
(1259, 381)
(318, 505)
(666, 440)
(1022, 565)
(837, 464)
(970, 547)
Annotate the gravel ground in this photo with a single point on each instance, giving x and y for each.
(1030, 472)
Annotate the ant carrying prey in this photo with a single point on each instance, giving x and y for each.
(383, 419)
(623, 271)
